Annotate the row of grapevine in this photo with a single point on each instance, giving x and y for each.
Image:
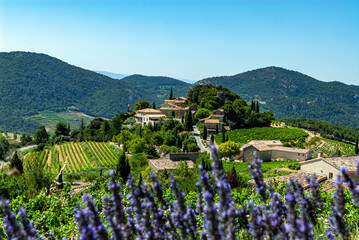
(328, 147)
(243, 136)
(101, 156)
(76, 156)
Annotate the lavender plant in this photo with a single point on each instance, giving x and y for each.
(147, 214)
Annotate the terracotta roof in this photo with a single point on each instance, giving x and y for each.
(266, 142)
(216, 116)
(324, 183)
(227, 128)
(289, 149)
(338, 162)
(211, 121)
(264, 147)
(149, 111)
(162, 164)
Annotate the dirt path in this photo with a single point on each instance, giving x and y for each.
(71, 158)
(61, 159)
(48, 160)
(79, 155)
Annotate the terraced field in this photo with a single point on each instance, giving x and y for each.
(328, 146)
(76, 156)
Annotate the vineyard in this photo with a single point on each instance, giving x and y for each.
(76, 156)
(329, 147)
(243, 136)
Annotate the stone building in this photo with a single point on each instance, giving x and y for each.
(330, 167)
(268, 150)
(148, 115)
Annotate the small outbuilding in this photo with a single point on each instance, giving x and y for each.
(331, 167)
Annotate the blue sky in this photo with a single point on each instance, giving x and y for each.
(189, 39)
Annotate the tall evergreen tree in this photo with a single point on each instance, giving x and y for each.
(60, 181)
(123, 168)
(212, 138)
(140, 181)
(154, 105)
(356, 146)
(253, 107)
(171, 94)
(216, 129)
(173, 114)
(16, 163)
(205, 133)
(179, 141)
(69, 127)
(82, 126)
(189, 122)
(257, 107)
(182, 119)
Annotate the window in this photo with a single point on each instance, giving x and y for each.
(254, 153)
(330, 175)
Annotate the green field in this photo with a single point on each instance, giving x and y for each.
(269, 169)
(243, 136)
(50, 118)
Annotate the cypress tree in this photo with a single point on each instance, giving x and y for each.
(205, 133)
(60, 181)
(154, 105)
(257, 107)
(68, 126)
(82, 126)
(171, 94)
(123, 168)
(253, 106)
(356, 146)
(216, 129)
(182, 119)
(173, 114)
(179, 141)
(212, 138)
(16, 163)
(226, 138)
(189, 122)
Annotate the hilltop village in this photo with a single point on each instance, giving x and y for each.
(177, 141)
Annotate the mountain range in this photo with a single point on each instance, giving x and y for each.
(32, 82)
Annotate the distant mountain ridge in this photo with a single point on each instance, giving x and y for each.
(292, 94)
(32, 82)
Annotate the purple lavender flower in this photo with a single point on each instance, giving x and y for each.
(256, 172)
(338, 210)
(351, 185)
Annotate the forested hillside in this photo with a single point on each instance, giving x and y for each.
(31, 82)
(292, 94)
(158, 88)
